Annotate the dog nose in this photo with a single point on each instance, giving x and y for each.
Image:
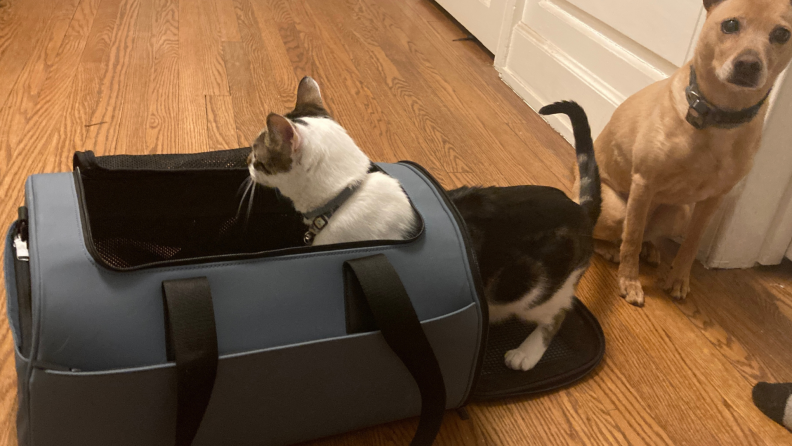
(747, 71)
(749, 67)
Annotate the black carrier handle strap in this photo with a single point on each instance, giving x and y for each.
(192, 343)
(396, 319)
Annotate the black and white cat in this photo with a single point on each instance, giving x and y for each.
(532, 242)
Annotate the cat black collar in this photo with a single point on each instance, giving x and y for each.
(320, 216)
(701, 114)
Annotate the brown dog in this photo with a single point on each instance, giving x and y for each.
(689, 139)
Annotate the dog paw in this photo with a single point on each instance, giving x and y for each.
(608, 251)
(631, 291)
(517, 360)
(677, 287)
(650, 254)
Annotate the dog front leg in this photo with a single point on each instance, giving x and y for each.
(677, 281)
(638, 204)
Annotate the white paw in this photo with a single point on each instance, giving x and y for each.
(517, 360)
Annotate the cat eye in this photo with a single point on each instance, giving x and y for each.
(730, 26)
(779, 35)
(258, 165)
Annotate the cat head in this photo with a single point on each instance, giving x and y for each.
(306, 154)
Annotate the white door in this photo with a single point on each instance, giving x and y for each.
(597, 52)
(483, 18)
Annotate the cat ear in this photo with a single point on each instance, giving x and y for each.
(282, 132)
(308, 93)
(709, 4)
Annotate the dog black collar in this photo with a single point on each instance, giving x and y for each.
(320, 216)
(702, 114)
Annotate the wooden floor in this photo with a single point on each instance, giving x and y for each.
(162, 76)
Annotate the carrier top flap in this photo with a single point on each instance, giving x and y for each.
(89, 317)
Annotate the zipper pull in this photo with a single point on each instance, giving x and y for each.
(21, 248)
(21, 237)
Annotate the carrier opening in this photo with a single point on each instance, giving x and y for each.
(145, 211)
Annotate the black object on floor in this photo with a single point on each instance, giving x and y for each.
(575, 351)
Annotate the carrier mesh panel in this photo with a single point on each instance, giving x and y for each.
(217, 160)
(147, 209)
(573, 352)
(509, 336)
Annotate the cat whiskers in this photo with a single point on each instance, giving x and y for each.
(248, 184)
(250, 204)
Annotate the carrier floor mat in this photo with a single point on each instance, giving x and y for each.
(575, 351)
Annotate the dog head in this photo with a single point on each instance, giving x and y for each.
(746, 42)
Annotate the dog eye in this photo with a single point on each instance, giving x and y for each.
(730, 26)
(779, 35)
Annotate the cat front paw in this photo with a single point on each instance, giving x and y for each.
(518, 360)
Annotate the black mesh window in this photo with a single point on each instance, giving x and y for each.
(146, 209)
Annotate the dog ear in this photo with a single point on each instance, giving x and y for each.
(709, 4)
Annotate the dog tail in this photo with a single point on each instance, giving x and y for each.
(590, 188)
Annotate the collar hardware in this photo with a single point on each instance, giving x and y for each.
(320, 217)
(702, 114)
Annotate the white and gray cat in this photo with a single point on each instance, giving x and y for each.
(532, 242)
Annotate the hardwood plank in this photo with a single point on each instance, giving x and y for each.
(742, 316)
(271, 72)
(193, 136)
(105, 120)
(674, 383)
(201, 68)
(84, 90)
(473, 61)
(229, 31)
(22, 26)
(395, 113)
(35, 107)
(135, 104)
(430, 68)
(162, 122)
(359, 112)
(220, 124)
(249, 113)
(381, 73)
(32, 95)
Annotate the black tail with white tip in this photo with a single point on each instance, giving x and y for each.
(590, 189)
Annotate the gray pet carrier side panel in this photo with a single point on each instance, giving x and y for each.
(98, 372)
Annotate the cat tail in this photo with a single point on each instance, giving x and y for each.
(590, 188)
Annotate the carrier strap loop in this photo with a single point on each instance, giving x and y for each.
(396, 318)
(192, 343)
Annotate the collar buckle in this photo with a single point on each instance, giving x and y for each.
(698, 109)
(316, 227)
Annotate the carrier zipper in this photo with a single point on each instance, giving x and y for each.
(21, 238)
(21, 249)
(22, 273)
